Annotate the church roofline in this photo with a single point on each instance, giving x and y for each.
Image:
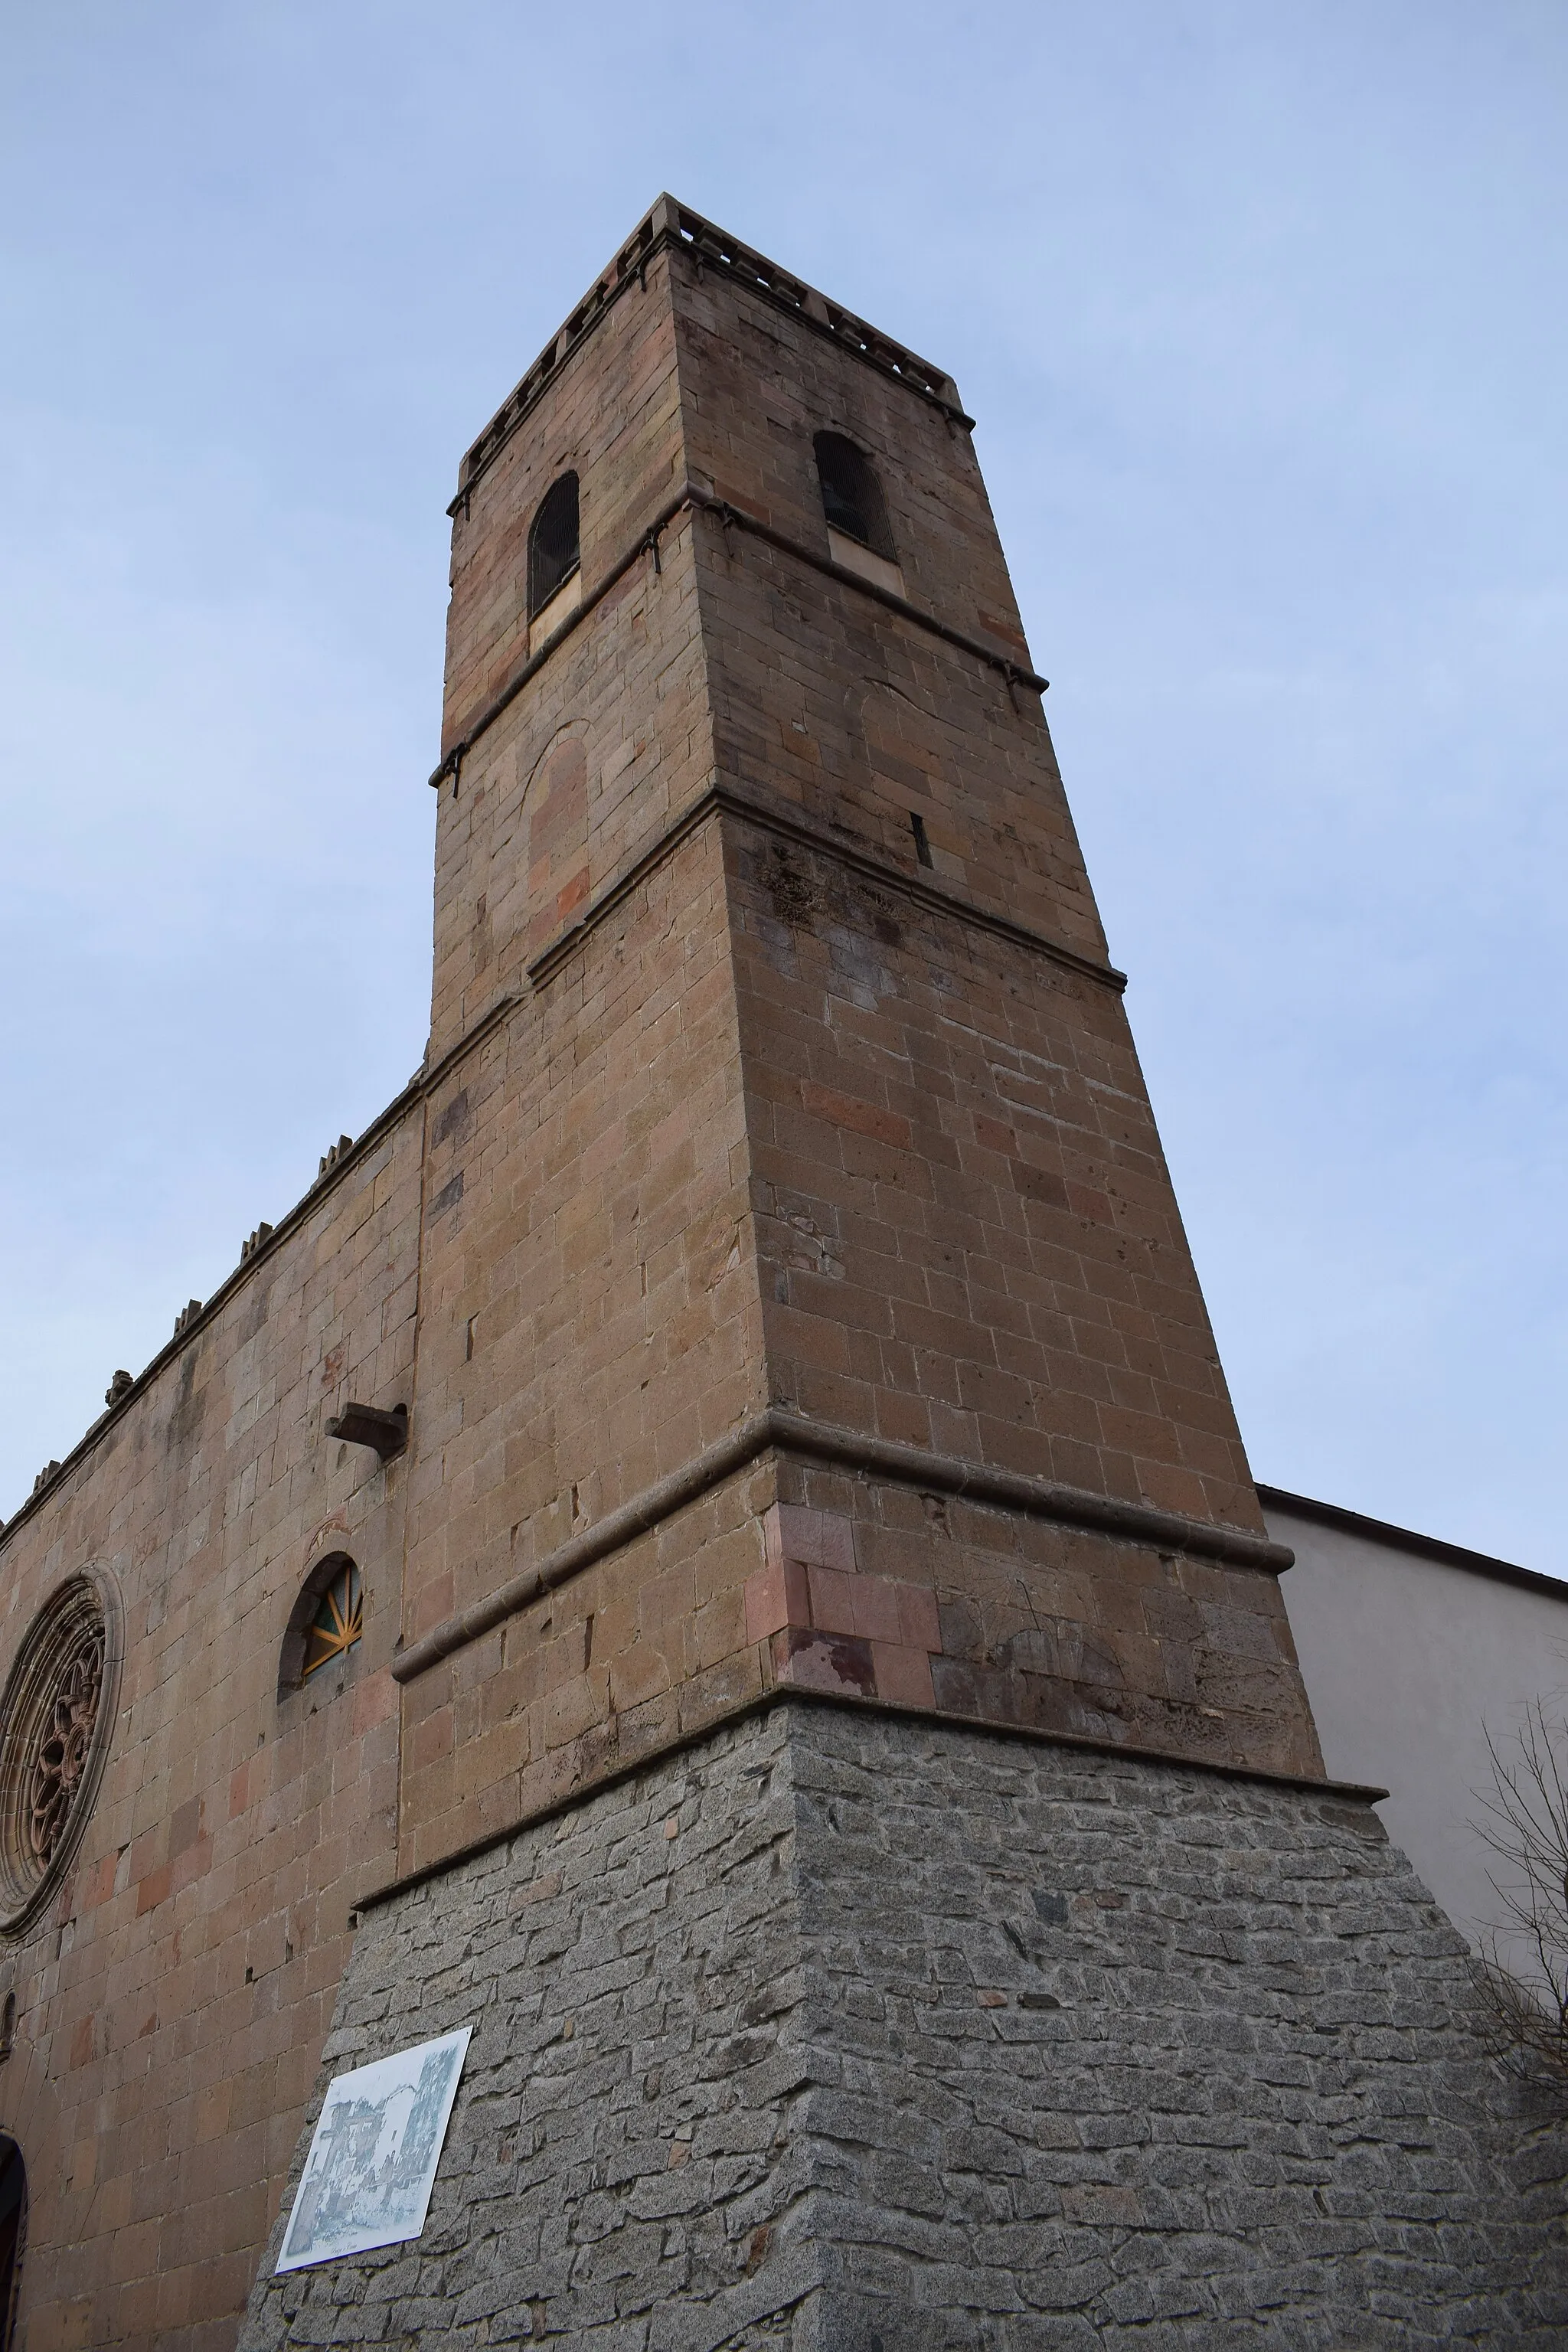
(1432, 1547)
(673, 225)
(422, 1084)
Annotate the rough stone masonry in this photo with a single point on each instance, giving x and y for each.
(847, 2032)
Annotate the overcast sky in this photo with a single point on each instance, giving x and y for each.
(1261, 311)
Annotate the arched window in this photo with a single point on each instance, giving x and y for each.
(552, 544)
(852, 497)
(56, 1721)
(13, 2235)
(337, 1623)
(327, 1623)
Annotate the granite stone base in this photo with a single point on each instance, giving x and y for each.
(850, 2032)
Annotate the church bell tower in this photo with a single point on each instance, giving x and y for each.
(855, 1790)
(805, 1302)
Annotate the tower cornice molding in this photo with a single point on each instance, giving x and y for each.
(670, 226)
(691, 498)
(727, 800)
(777, 1429)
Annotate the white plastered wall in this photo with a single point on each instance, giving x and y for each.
(1408, 1663)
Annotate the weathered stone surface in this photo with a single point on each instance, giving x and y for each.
(844, 2031)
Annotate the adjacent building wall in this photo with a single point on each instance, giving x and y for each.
(1413, 1650)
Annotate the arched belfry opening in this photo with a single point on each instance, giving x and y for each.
(554, 546)
(852, 498)
(13, 2235)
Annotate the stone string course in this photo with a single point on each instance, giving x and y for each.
(845, 2032)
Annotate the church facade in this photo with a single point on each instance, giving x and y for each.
(712, 1551)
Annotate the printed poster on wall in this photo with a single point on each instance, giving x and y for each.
(371, 2165)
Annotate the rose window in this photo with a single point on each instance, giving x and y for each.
(64, 1745)
(55, 1721)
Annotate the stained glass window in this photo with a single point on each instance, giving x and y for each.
(338, 1623)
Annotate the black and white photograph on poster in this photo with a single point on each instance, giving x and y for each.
(371, 2166)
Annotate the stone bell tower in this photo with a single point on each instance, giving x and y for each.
(794, 1129)
(854, 1778)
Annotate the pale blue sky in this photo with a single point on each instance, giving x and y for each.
(1261, 311)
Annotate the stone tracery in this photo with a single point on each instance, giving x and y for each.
(65, 1743)
(53, 1733)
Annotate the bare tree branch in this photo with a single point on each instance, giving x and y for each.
(1524, 1821)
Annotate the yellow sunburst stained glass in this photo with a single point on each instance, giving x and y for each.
(337, 1623)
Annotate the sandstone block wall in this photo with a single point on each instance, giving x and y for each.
(969, 1236)
(826, 701)
(611, 736)
(876, 1590)
(842, 2030)
(171, 2002)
